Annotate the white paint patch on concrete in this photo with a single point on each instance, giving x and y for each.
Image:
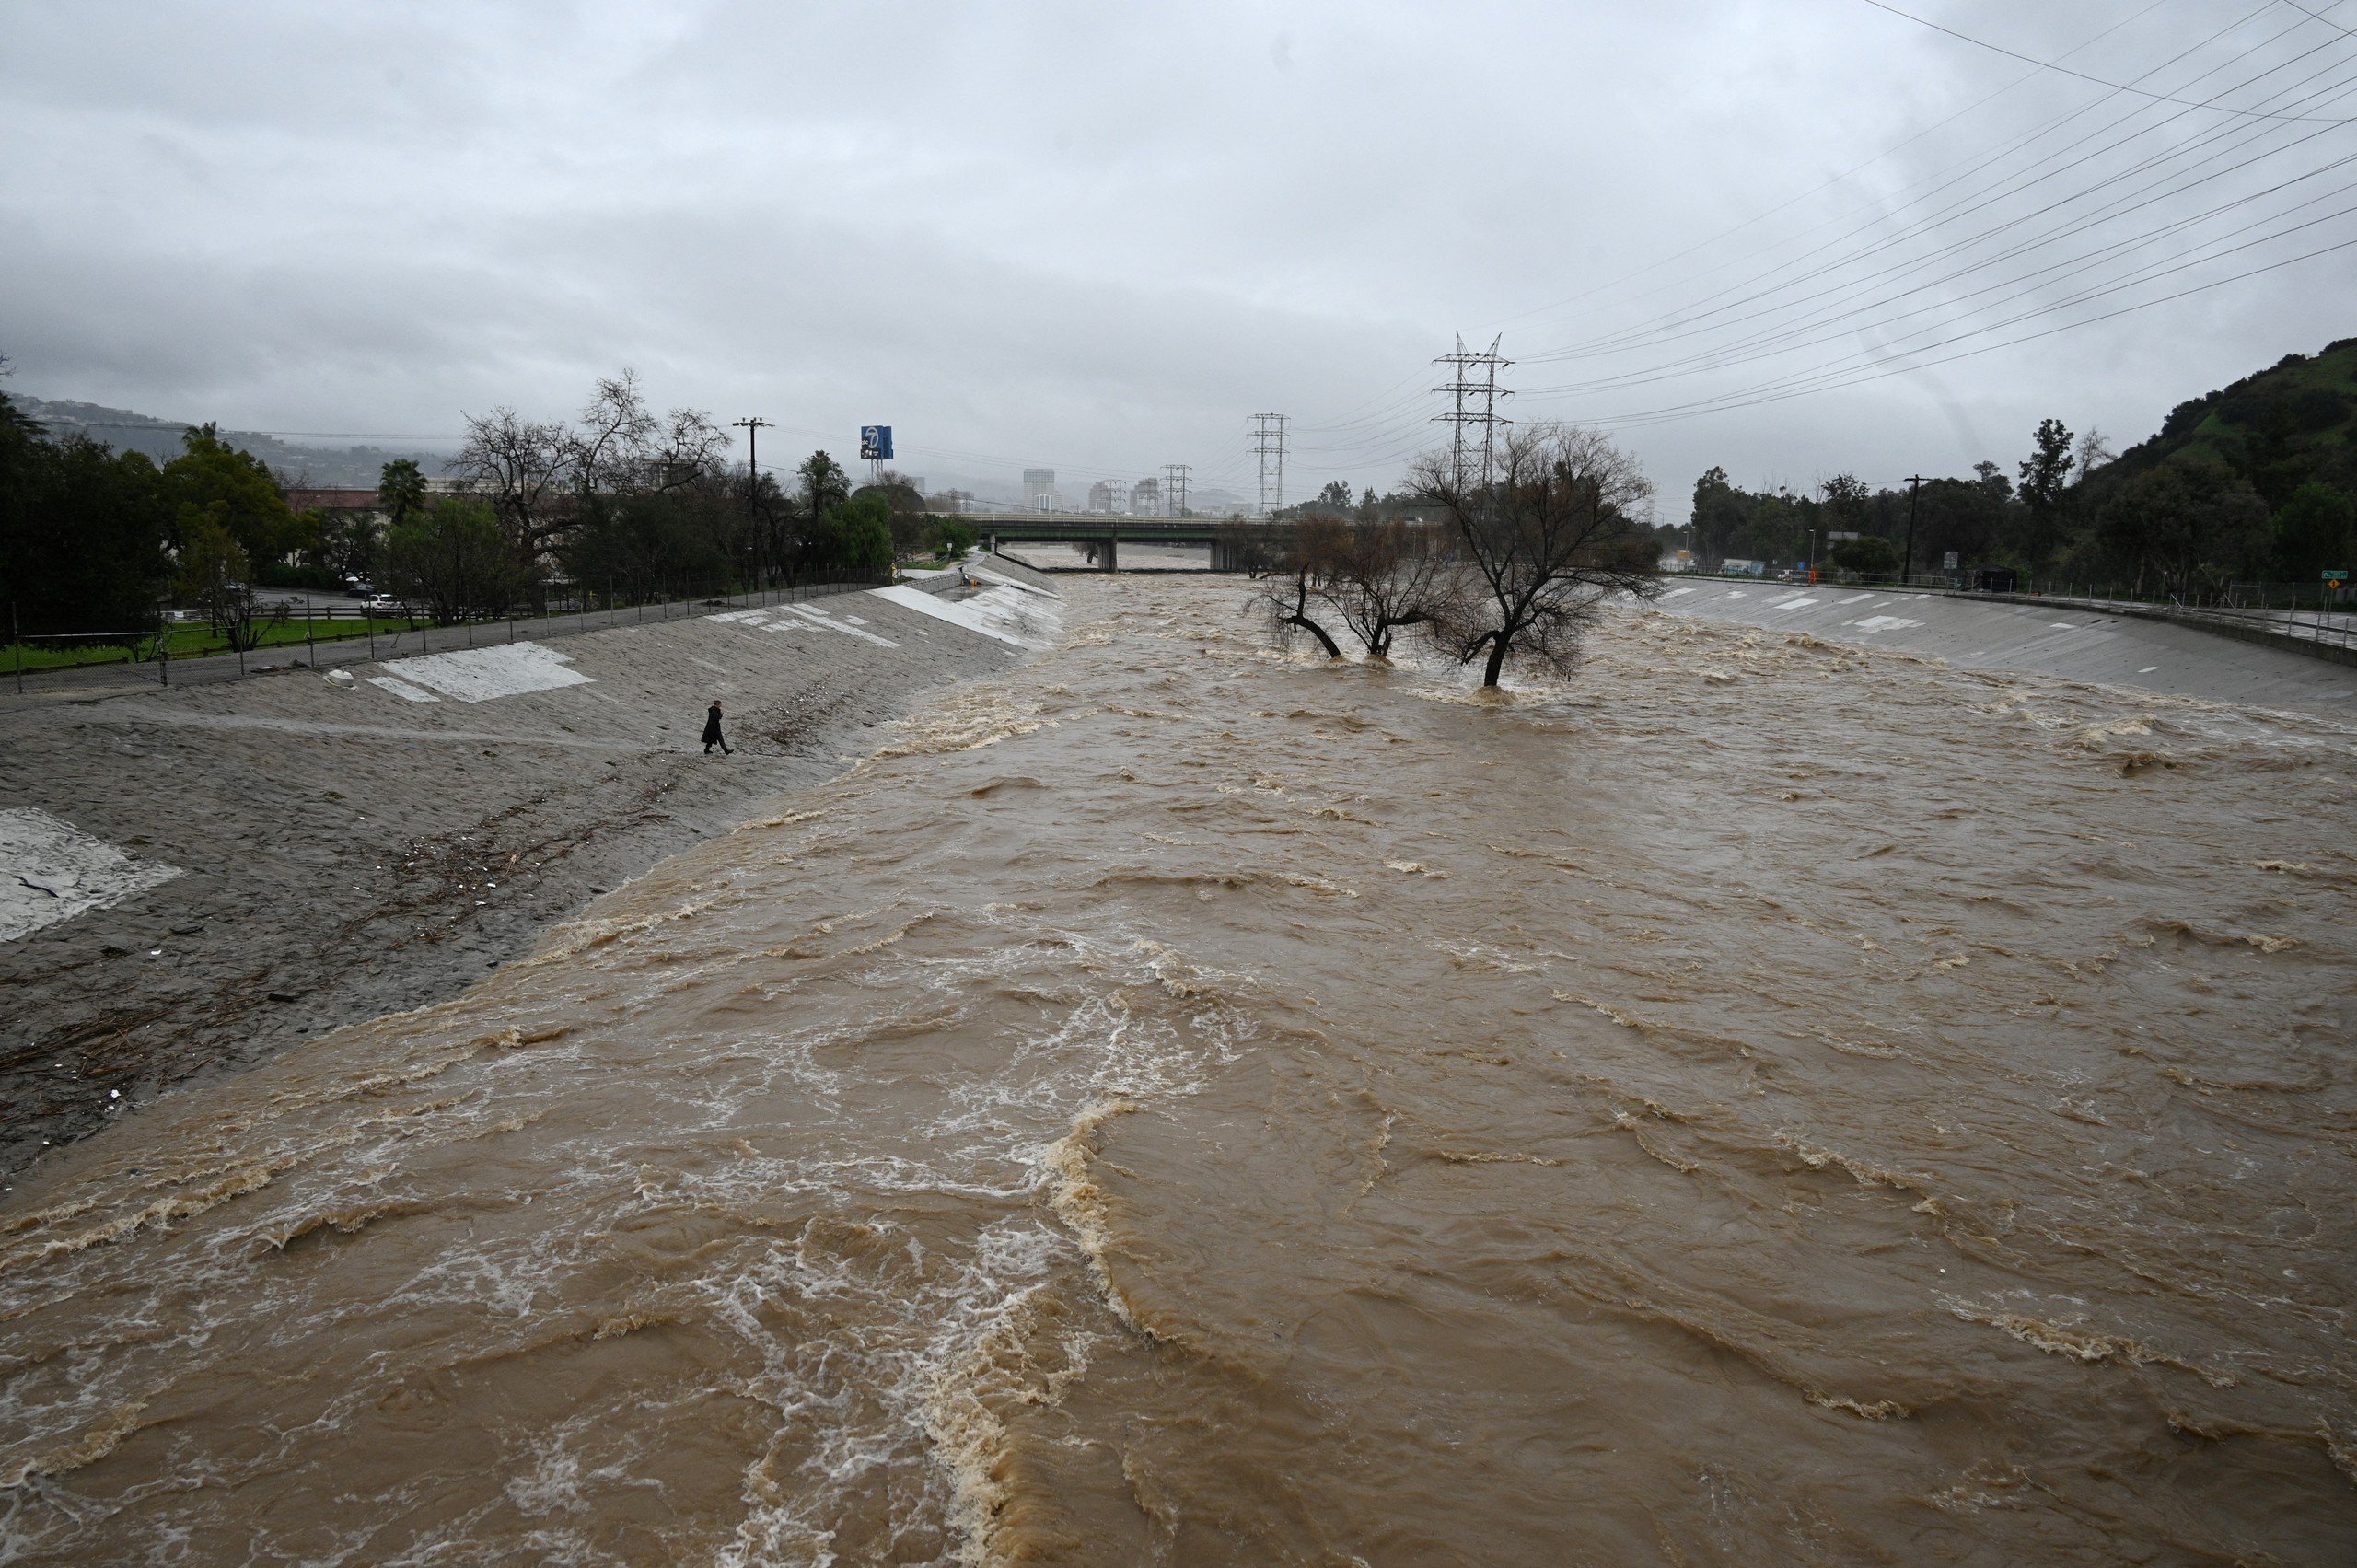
(1798, 601)
(2148, 669)
(1018, 583)
(1025, 621)
(1674, 592)
(50, 870)
(818, 616)
(478, 675)
(404, 689)
(1886, 624)
(1857, 599)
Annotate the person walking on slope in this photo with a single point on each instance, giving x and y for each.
(711, 736)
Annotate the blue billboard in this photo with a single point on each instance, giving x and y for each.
(875, 443)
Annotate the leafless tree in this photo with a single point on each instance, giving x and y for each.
(609, 452)
(1384, 576)
(694, 449)
(1252, 548)
(1295, 586)
(1556, 533)
(519, 466)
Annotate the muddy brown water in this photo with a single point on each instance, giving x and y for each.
(1179, 1104)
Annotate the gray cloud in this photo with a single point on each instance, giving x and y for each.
(1090, 237)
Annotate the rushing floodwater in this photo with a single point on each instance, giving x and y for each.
(1758, 1101)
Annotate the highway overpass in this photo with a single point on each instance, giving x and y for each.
(1101, 537)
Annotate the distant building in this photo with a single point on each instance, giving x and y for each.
(1145, 498)
(1039, 492)
(1109, 496)
(332, 500)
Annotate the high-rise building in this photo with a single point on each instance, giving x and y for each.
(1145, 498)
(1109, 496)
(1039, 490)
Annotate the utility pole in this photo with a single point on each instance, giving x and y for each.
(1475, 402)
(1907, 570)
(753, 428)
(1174, 488)
(1268, 445)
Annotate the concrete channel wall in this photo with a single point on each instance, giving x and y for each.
(2229, 661)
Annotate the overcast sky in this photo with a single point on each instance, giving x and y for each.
(1098, 237)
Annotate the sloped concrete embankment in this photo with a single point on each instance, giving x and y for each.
(199, 878)
(2048, 639)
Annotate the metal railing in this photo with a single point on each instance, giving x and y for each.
(154, 665)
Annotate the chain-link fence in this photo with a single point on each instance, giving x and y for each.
(362, 639)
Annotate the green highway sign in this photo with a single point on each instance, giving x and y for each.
(2336, 576)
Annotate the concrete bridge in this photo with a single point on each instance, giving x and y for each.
(1101, 538)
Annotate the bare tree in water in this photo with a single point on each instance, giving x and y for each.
(1296, 582)
(1555, 533)
(1384, 575)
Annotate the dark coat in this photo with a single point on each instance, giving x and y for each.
(712, 727)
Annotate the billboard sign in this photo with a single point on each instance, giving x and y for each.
(875, 443)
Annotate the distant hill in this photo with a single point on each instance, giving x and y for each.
(2279, 429)
(320, 467)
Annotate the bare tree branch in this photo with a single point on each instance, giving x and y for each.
(1558, 532)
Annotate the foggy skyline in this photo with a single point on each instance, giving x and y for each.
(1098, 241)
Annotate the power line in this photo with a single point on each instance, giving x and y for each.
(1757, 218)
(1770, 394)
(1174, 489)
(2082, 75)
(1833, 324)
(1986, 196)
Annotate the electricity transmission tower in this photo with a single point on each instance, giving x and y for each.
(1269, 446)
(1475, 402)
(1174, 487)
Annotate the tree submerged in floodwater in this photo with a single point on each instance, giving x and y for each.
(1516, 569)
(1556, 531)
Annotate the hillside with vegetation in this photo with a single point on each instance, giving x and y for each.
(2292, 425)
(2248, 489)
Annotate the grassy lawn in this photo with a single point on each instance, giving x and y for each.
(191, 640)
